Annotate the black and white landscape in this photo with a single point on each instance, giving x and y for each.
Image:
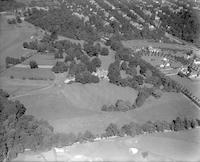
(99, 80)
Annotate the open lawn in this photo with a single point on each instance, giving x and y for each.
(42, 59)
(27, 73)
(191, 84)
(77, 107)
(17, 87)
(12, 38)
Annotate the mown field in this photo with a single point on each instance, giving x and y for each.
(76, 107)
(27, 73)
(191, 84)
(42, 59)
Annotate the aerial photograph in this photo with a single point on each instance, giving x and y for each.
(100, 80)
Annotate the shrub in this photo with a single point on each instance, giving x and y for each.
(33, 64)
(11, 77)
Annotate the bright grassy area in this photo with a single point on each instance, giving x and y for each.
(18, 86)
(22, 73)
(193, 85)
(42, 59)
(77, 107)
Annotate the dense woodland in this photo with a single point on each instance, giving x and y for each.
(9, 5)
(184, 24)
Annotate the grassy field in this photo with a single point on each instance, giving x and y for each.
(18, 86)
(27, 73)
(76, 107)
(12, 38)
(193, 85)
(42, 59)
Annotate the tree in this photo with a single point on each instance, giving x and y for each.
(60, 67)
(54, 35)
(85, 59)
(149, 127)
(139, 79)
(69, 58)
(86, 77)
(114, 72)
(143, 94)
(96, 62)
(131, 71)
(25, 45)
(33, 64)
(18, 19)
(178, 124)
(78, 53)
(116, 45)
(112, 130)
(88, 136)
(104, 51)
(124, 66)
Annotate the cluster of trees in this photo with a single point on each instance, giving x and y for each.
(46, 44)
(95, 50)
(120, 105)
(15, 20)
(13, 61)
(66, 23)
(33, 64)
(10, 5)
(132, 129)
(60, 67)
(184, 24)
(86, 77)
(19, 131)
